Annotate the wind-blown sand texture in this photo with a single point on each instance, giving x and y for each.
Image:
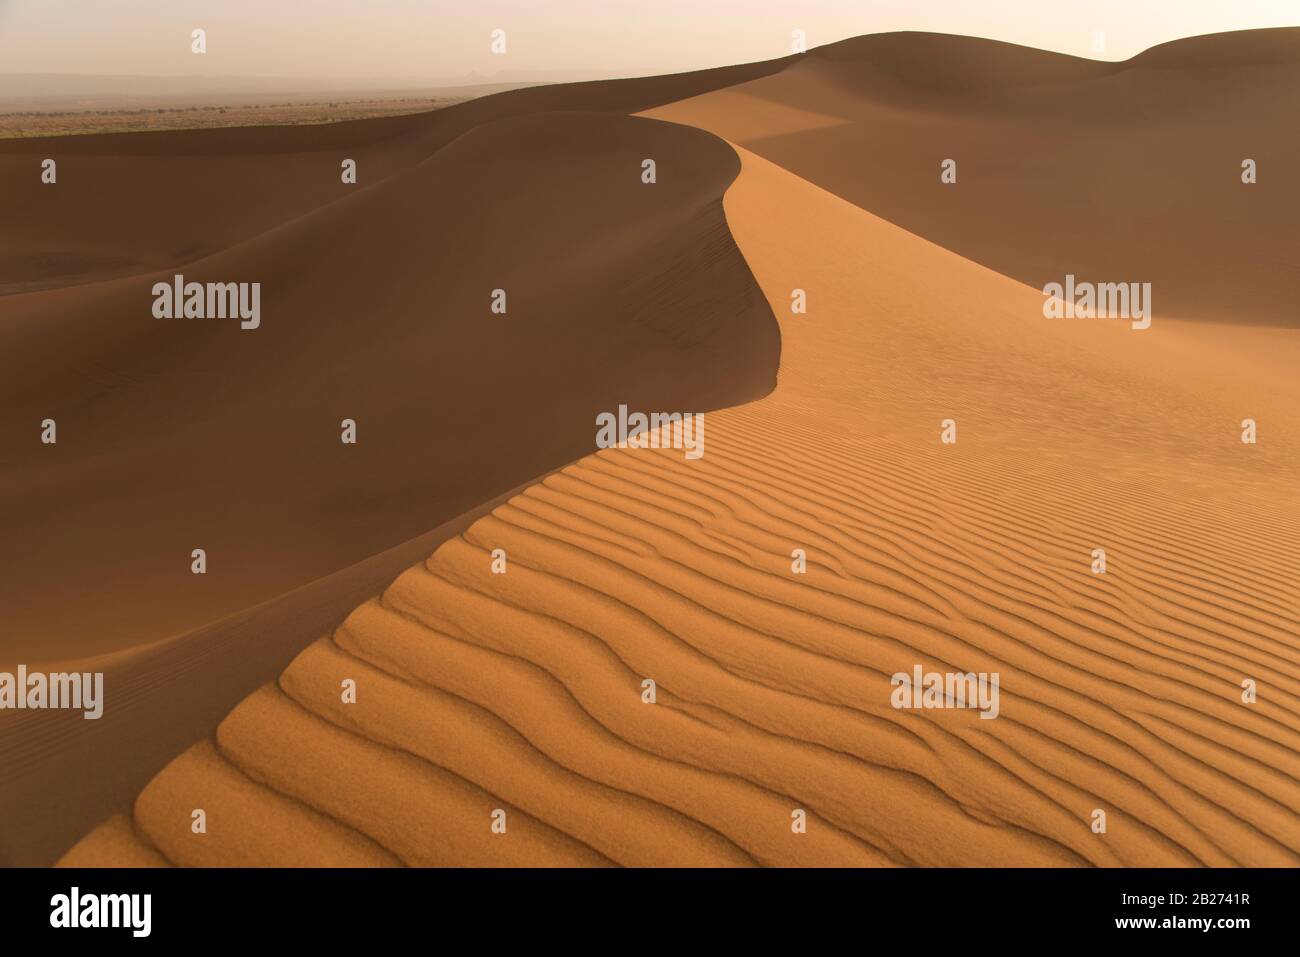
(1120, 692)
(522, 691)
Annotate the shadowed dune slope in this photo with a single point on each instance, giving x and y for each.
(1121, 692)
(165, 696)
(1114, 172)
(183, 434)
(134, 202)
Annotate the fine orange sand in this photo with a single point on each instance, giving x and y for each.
(1120, 692)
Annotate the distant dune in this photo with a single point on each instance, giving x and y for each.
(522, 692)
(1125, 171)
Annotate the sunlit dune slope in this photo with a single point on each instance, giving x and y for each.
(1120, 692)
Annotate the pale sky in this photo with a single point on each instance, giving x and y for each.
(346, 39)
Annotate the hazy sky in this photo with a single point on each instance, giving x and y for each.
(444, 38)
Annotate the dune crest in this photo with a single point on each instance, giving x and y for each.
(523, 691)
(376, 309)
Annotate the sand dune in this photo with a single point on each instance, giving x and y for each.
(166, 695)
(522, 692)
(1115, 172)
(1120, 692)
(132, 203)
(376, 309)
(184, 434)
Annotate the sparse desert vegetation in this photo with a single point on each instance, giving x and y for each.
(61, 122)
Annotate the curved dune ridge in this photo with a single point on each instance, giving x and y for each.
(1120, 692)
(177, 434)
(183, 434)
